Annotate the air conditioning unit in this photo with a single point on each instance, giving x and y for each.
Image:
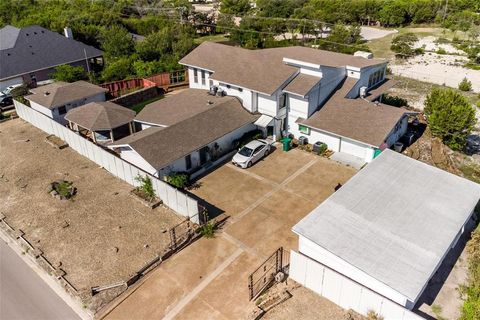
(363, 92)
(213, 90)
(221, 93)
(302, 140)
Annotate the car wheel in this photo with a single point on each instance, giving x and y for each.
(249, 164)
(266, 152)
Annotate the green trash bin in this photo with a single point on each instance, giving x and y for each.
(286, 144)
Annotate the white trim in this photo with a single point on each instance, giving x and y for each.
(301, 63)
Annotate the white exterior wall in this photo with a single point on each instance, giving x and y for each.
(330, 81)
(267, 104)
(134, 158)
(344, 291)
(60, 118)
(245, 95)
(224, 143)
(363, 76)
(317, 253)
(198, 85)
(41, 109)
(397, 132)
(10, 82)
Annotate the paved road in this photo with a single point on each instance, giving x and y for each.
(24, 295)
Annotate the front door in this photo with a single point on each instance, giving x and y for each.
(203, 155)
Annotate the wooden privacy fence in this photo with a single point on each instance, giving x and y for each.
(173, 198)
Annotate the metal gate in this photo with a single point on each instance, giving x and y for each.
(265, 274)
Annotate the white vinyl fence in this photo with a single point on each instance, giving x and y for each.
(171, 197)
(343, 291)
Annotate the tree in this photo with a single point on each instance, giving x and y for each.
(237, 7)
(451, 116)
(118, 70)
(69, 73)
(465, 85)
(117, 42)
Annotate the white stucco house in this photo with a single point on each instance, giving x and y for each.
(56, 99)
(377, 241)
(185, 132)
(324, 96)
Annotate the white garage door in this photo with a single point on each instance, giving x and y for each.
(354, 148)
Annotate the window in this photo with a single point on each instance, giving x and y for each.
(188, 162)
(62, 110)
(203, 77)
(282, 102)
(195, 75)
(303, 129)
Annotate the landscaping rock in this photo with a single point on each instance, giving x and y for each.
(65, 224)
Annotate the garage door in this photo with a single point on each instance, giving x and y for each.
(353, 148)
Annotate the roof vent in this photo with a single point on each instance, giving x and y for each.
(46, 93)
(68, 32)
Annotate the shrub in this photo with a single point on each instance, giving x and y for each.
(69, 73)
(451, 116)
(465, 85)
(395, 101)
(372, 315)
(177, 179)
(441, 51)
(322, 149)
(208, 228)
(471, 292)
(403, 45)
(247, 137)
(146, 185)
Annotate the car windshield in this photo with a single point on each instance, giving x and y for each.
(245, 151)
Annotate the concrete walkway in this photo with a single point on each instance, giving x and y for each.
(209, 278)
(24, 295)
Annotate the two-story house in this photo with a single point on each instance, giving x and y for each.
(291, 86)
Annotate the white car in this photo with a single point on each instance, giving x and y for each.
(251, 153)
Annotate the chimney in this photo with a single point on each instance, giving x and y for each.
(68, 32)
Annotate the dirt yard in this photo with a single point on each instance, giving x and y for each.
(209, 279)
(103, 235)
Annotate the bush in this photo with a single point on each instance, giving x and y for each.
(177, 179)
(146, 185)
(465, 85)
(471, 291)
(441, 51)
(247, 137)
(451, 116)
(394, 101)
(208, 228)
(402, 45)
(69, 73)
(322, 149)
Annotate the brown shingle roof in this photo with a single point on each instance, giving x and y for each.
(60, 93)
(263, 70)
(356, 119)
(162, 146)
(96, 116)
(179, 106)
(302, 84)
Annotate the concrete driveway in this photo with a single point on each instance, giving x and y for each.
(208, 280)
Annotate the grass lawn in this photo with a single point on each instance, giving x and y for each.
(214, 38)
(139, 106)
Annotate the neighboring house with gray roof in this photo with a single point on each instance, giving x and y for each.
(56, 99)
(186, 132)
(376, 242)
(290, 85)
(30, 54)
